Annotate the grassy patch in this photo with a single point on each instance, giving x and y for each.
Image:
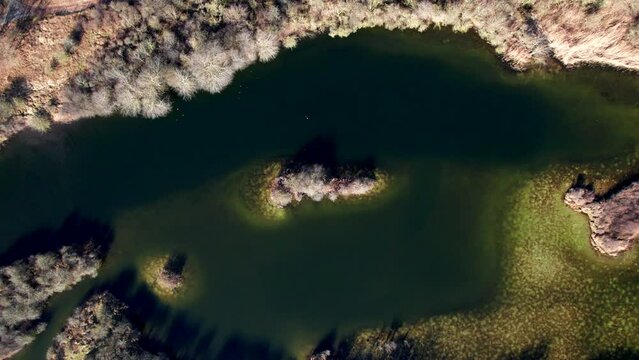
(557, 294)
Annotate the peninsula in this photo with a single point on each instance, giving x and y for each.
(614, 219)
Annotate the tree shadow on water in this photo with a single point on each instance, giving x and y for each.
(322, 150)
(319, 150)
(176, 333)
(76, 230)
(618, 354)
(238, 347)
(535, 352)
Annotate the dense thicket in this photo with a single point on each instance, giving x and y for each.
(191, 45)
(314, 182)
(98, 329)
(27, 285)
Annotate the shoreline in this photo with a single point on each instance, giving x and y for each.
(107, 70)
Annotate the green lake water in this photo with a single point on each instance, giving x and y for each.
(459, 133)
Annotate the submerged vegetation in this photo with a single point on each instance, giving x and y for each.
(27, 285)
(558, 299)
(165, 274)
(99, 329)
(272, 189)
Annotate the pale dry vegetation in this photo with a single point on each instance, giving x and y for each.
(192, 45)
(99, 329)
(27, 285)
(315, 183)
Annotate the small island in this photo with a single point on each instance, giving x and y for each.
(165, 274)
(280, 186)
(99, 329)
(614, 218)
(27, 285)
(316, 182)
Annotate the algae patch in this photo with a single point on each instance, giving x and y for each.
(558, 297)
(166, 275)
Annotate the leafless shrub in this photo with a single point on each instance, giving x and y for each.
(201, 44)
(27, 285)
(268, 45)
(154, 107)
(101, 101)
(234, 14)
(209, 66)
(99, 328)
(126, 100)
(180, 81)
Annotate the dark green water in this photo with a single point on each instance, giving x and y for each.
(439, 111)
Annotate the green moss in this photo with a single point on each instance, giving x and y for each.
(556, 293)
(248, 196)
(150, 269)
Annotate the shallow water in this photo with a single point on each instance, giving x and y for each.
(460, 133)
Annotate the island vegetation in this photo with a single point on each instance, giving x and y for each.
(275, 188)
(317, 183)
(99, 329)
(165, 274)
(27, 285)
(127, 57)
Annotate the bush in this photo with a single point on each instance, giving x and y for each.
(209, 66)
(268, 45)
(181, 82)
(99, 328)
(39, 122)
(28, 284)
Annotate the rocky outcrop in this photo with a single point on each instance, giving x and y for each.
(99, 328)
(614, 220)
(315, 183)
(27, 285)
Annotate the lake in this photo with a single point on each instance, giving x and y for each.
(459, 133)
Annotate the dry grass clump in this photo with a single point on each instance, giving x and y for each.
(27, 285)
(39, 122)
(255, 191)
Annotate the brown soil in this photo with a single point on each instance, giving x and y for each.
(39, 54)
